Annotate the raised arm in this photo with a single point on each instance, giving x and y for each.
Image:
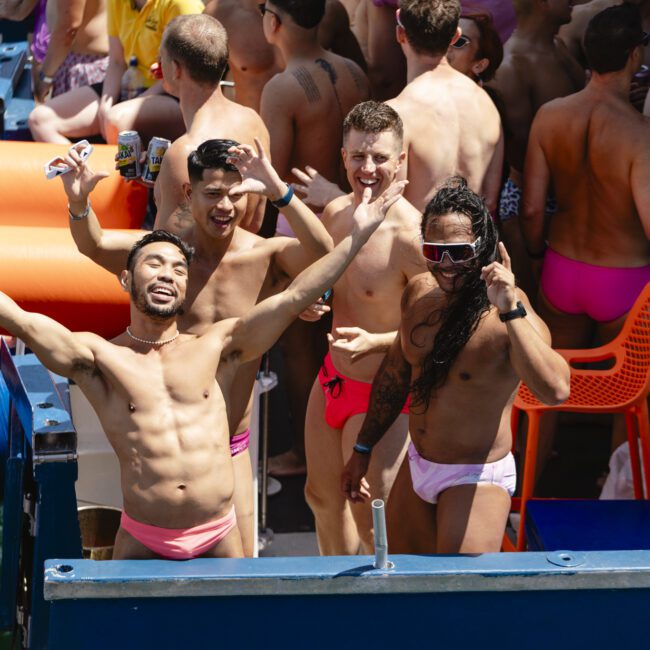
(60, 350)
(543, 370)
(260, 178)
(109, 249)
(390, 389)
(261, 327)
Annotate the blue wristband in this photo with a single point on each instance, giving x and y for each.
(362, 449)
(285, 200)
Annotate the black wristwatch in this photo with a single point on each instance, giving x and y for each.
(518, 312)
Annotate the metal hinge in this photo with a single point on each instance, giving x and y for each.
(64, 457)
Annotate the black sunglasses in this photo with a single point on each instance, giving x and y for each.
(264, 9)
(461, 42)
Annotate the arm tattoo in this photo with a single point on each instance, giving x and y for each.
(308, 85)
(390, 390)
(182, 217)
(359, 79)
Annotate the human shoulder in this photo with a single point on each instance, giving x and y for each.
(335, 209)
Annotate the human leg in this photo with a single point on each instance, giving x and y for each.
(70, 115)
(128, 547)
(472, 518)
(303, 347)
(385, 462)
(410, 521)
(242, 498)
(149, 115)
(335, 525)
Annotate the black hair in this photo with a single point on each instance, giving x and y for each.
(610, 37)
(305, 13)
(211, 154)
(469, 302)
(158, 236)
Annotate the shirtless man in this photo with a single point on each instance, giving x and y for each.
(450, 124)
(253, 61)
(462, 365)
(536, 68)
(366, 316)
(232, 270)
(156, 392)
(594, 149)
(77, 54)
(303, 107)
(193, 74)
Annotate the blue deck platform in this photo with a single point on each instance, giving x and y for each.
(563, 599)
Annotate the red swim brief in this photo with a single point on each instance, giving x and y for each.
(344, 397)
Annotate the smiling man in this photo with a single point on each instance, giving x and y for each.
(156, 390)
(233, 269)
(467, 336)
(366, 316)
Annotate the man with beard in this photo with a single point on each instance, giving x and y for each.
(233, 269)
(156, 394)
(467, 337)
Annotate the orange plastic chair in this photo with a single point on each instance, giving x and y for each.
(623, 388)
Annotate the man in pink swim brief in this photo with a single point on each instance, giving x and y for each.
(467, 337)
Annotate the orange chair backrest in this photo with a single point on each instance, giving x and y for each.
(634, 338)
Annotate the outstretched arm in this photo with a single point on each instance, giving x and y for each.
(390, 389)
(60, 350)
(543, 370)
(108, 249)
(261, 327)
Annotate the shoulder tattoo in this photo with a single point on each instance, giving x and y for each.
(308, 85)
(358, 78)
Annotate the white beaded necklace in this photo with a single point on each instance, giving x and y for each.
(146, 342)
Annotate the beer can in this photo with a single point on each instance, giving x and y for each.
(129, 148)
(157, 149)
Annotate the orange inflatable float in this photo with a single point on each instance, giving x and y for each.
(40, 267)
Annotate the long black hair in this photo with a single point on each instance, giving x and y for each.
(469, 302)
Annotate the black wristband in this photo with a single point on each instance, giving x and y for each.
(518, 312)
(286, 199)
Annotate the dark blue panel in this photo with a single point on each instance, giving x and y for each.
(528, 621)
(587, 525)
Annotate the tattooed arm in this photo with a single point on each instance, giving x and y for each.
(390, 388)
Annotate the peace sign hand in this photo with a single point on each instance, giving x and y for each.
(500, 282)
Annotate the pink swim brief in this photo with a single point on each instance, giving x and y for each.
(430, 479)
(386, 3)
(239, 443)
(180, 543)
(603, 293)
(344, 397)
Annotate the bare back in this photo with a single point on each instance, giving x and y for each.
(304, 107)
(368, 293)
(451, 127)
(467, 420)
(252, 61)
(217, 118)
(529, 77)
(597, 150)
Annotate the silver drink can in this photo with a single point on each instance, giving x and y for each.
(157, 149)
(129, 148)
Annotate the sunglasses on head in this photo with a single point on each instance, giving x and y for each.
(461, 42)
(456, 252)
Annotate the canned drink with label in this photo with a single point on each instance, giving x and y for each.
(157, 149)
(129, 148)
